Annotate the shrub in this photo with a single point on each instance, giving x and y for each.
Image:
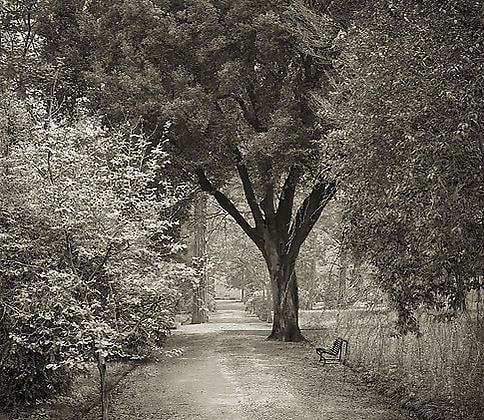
(85, 241)
(55, 325)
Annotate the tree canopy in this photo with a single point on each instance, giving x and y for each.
(233, 85)
(409, 101)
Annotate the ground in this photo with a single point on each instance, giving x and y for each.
(228, 371)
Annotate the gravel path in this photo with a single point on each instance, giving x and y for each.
(227, 370)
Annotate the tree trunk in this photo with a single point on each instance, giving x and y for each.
(101, 365)
(278, 232)
(199, 309)
(285, 301)
(199, 305)
(342, 275)
(461, 293)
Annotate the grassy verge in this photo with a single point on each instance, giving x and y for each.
(438, 375)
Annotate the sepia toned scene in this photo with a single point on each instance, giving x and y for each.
(241, 210)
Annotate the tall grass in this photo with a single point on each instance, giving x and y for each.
(441, 370)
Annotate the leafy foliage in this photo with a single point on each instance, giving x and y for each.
(409, 148)
(85, 246)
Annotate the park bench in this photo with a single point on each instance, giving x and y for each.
(336, 354)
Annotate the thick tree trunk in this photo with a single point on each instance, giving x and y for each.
(285, 326)
(285, 300)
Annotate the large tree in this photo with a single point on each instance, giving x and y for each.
(233, 82)
(409, 102)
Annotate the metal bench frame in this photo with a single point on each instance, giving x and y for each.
(336, 354)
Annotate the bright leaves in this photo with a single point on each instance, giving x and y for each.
(86, 239)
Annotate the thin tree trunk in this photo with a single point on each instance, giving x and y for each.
(199, 305)
(342, 274)
(461, 302)
(101, 365)
(313, 288)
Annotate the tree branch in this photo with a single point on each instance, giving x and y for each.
(308, 214)
(103, 261)
(254, 119)
(267, 203)
(229, 207)
(249, 114)
(286, 199)
(250, 195)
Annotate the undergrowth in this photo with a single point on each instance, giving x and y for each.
(75, 406)
(438, 373)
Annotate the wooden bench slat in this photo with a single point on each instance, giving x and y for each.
(336, 352)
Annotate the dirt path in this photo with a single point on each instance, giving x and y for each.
(229, 371)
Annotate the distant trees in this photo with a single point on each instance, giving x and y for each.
(325, 273)
(234, 257)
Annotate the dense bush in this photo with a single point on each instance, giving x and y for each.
(85, 245)
(56, 324)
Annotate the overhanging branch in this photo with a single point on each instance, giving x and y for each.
(229, 207)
